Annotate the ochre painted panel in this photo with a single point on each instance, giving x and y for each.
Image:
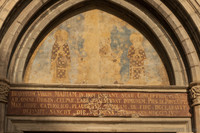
(96, 47)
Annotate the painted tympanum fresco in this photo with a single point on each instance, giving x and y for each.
(96, 47)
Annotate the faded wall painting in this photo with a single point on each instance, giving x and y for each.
(96, 47)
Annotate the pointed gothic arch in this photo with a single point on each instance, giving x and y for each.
(169, 25)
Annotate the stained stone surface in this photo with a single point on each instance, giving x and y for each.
(98, 104)
(96, 47)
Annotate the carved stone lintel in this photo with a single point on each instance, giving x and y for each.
(4, 89)
(195, 95)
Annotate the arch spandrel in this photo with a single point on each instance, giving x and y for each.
(95, 47)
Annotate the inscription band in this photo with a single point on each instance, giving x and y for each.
(98, 104)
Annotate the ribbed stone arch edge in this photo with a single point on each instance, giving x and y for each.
(41, 24)
(193, 59)
(183, 36)
(44, 23)
(12, 33)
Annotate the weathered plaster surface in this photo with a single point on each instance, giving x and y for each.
(89, 49)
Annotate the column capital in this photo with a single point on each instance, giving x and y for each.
(195, 95)
(4, 89)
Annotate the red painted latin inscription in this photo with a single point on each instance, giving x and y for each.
(122, 104)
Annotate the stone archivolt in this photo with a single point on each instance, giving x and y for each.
(195, 95)
(4, 88)
(21, 23)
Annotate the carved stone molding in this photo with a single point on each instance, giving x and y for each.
(195, 95)
(4, 89)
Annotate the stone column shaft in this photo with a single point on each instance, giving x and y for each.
(4, 88)
(195, 96)
(197, 118)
